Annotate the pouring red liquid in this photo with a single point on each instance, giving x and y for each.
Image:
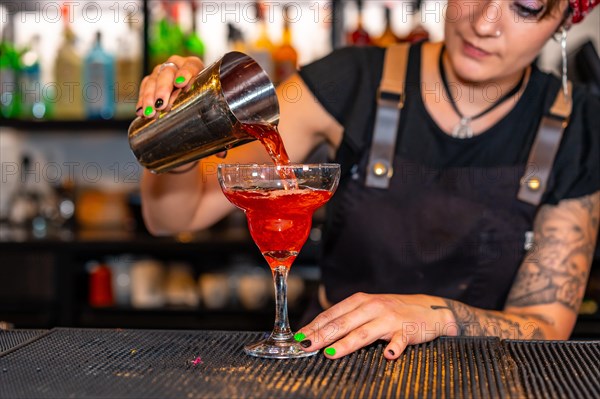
(270, 138)
(279, 219)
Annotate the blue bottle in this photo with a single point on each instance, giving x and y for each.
(99, 82)
(33, 105)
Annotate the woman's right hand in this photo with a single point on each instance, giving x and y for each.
(159, 89)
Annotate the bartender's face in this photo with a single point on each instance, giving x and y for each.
(490, 40)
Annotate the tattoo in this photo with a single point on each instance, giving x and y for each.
(557, 267)
(477, 322)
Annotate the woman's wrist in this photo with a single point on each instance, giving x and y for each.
(446, 316)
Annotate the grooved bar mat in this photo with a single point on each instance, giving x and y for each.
(210, 364)
(13, 338)
(557, 369)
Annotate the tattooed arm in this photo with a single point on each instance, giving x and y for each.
(470, 321)
(550, 282)
(553, 276)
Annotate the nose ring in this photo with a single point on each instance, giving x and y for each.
(497, 33)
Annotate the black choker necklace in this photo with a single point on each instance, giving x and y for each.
(463, 130)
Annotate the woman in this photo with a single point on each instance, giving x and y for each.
(439, 248)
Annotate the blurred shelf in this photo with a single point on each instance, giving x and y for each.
(71, 126)
(132, 244)
(19, 237)
(106, 241)
(182, 318)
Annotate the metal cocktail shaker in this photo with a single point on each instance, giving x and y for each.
(207, 118)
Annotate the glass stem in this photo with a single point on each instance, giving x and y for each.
(281, 330)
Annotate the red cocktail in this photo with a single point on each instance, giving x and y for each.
(279, 213)
(279, 220)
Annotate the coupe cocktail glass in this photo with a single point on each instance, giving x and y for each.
(279, 202)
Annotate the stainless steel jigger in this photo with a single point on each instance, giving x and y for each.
(207, 118)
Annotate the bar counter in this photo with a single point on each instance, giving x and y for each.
(115, 363)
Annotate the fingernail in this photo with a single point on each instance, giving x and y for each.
(391, 352)
(299, 336)
(148, 111)
(137, 111)
(180, 80)
(306, 343)
(330, 351)
(159, 103)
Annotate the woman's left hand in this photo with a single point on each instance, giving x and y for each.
(365, 318)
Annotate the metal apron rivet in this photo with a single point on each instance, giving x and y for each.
(534, 184)
(379, 169)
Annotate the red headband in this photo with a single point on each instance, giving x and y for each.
(581, 8)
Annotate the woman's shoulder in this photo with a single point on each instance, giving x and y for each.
(344, 78)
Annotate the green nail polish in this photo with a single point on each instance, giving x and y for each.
(148, 111)
(330, 351)
(299, 336)
(180, 80)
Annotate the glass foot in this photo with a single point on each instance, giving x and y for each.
(272, 349)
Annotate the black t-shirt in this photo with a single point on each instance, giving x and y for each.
(345, 82)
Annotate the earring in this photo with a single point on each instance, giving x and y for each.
(563, 51)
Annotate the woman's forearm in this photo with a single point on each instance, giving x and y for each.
(169, 201)
(471, 321)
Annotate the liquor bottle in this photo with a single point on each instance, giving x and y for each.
(68, 76)
(25, 202)
(193, 43)
(388, 37)
(32, 103)
(158, 48)
(99, 76)
(359, 37)
(262, 48)
(285, 57)
(167, 38)
(235, 39)
(101, 293)
(174, 33)
(10, 104)
(65, 200)
(418, 32)
(128, 71)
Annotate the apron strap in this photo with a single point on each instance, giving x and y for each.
(390, 100)
(541, 157)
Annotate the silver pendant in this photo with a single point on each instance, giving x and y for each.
(463, 129)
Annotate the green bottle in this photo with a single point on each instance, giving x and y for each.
(167, 37)
(10, 101)
(193, 44)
